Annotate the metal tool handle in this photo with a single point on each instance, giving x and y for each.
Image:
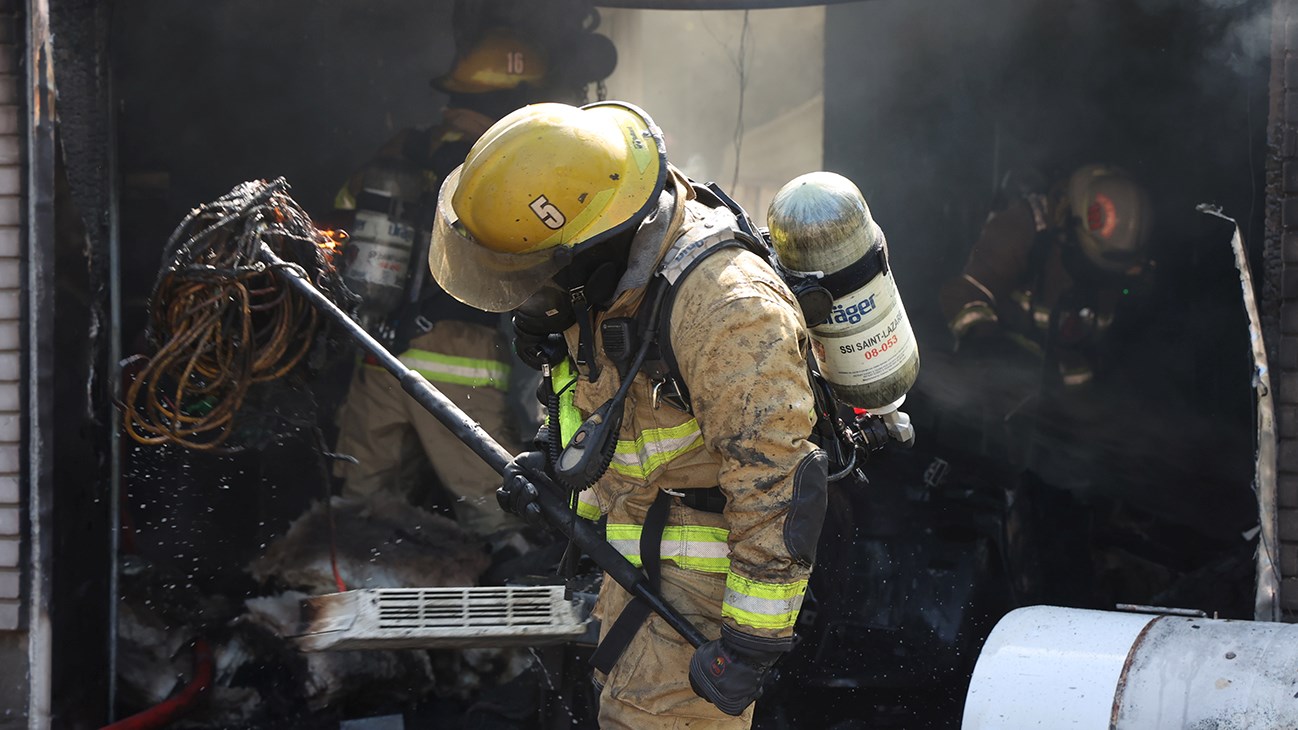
(553, 507)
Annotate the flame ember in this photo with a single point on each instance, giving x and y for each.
(331, 242)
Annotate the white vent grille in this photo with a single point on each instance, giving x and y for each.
(443, 607)
(393, 618)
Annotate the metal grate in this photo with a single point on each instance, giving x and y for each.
(391, 618)
(439, 607)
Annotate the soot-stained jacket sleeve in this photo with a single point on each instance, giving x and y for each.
(740, 342)
(995, 267)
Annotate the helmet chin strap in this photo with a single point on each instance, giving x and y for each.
(590, 280)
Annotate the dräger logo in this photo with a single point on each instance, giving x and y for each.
(854, 313)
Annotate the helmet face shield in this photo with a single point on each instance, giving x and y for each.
(1113, 217)
(476, 275)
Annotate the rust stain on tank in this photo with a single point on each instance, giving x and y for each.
(1126, 670)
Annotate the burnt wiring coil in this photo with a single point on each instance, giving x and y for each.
(221, 320)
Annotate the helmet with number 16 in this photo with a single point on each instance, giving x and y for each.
(498, 61)
(541, 185)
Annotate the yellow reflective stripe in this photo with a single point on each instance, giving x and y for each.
(763, 605)
(1041, 316)
(586, 505)
(971, 314)
(693, 547)
(470, 371)
(1078, 376)
(654, 447)
(562, 380)
(651, 449)
(344, 200)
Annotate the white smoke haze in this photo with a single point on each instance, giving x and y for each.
(1247, 40)
(686, 69)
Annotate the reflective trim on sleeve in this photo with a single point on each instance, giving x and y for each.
(991, 298)
(763, 605)
(1077, 376)
(654, 448)
(693, 547)
(586, 504)
(344, 200)
(439, 368)
(1041, 316)
(1040, 313)
(969, 315)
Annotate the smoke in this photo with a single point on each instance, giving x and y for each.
(216, 93)
(1246, 40)
(746, 97)
(1242, 29)
(930, 103)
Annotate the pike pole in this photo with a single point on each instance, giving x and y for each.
(554, 509)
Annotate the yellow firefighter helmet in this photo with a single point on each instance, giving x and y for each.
(499, 61)
(542, 184)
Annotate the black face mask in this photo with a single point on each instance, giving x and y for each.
(494, 104)
(1083, 271)
(591, 279)
(597, 270)
(539, 324)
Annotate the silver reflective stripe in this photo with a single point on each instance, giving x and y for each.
(991, 298)
(1077, 377)
(587, 505)
(971, 314)
(693, 547)
(681, 548)
(1041, 316)
(628, 548)
(764, 606)
(655, 447)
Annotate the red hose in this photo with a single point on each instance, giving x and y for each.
(173, 707)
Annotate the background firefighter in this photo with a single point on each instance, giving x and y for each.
(461, 349)
(1042, 287)
(1056, 270)
(1049, 269)
(734, 559)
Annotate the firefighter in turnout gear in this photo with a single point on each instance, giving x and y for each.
(573, 216)
(462, 350)
(1049, 271)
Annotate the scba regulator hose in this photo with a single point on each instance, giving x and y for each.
(221, 320)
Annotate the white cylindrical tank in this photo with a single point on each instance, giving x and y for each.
(1049, 667)
(821, 227)
(378, 252)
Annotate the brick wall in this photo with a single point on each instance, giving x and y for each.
(1281, 286)
(11, 218)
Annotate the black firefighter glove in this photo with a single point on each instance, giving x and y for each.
(729, 671)
(518, 495)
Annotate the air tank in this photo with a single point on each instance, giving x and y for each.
(381, 241)
(1054, 667)
(822, 230)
